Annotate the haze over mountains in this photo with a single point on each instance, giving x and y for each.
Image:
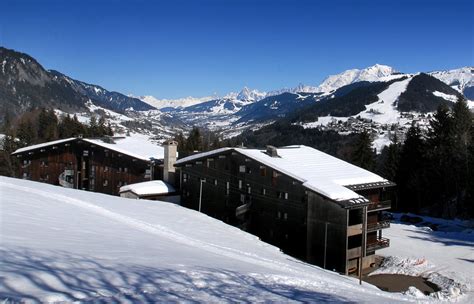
(377, 95)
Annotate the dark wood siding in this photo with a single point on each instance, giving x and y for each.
(94, 167)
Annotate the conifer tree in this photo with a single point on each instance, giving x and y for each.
(363, 154)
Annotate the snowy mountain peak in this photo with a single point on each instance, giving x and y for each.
(174, 103)
(250, 95)
(459, 79)
(372, 73)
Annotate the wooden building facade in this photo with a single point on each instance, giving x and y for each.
(88, 164)
(267, 194)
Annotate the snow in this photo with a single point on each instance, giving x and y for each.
(459, 79)
(251, 95)
(373, 73)
(136, 145)
(445, 96)
(175, 103)
(149, 188)
(445, 257)
(4, 62)
(317, 171)
(69, 245)
(384, 110)
(43, 145)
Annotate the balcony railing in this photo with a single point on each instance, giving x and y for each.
(379, 244)
(383, 205)
(378, 225)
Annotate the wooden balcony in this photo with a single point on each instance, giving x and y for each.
(378, 206)
(379, 244)
(378, 225)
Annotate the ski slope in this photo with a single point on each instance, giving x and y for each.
(67, 245)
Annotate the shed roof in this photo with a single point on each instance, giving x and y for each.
(318, 171)
(154, 187)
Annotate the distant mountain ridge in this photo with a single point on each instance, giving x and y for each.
(25, 84)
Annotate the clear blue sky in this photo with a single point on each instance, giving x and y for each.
(180, 48)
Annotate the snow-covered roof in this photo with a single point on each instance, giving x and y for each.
(43, 145)
(318, 171)
(133, 146)
(154, 187)
(137, 147)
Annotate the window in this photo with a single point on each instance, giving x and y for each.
(279, 215)
(215, 182)
(242, 168)
(240, 184)
(106, 169)
(125, 169)
(286, 195)
(185, 177)
(285, 216)
(264, 191)
(227, 188)
(106, 183)
(249, 190)
(263, 171)
(242, 198)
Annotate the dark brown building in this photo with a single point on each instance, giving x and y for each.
(311, 205)
(100, 165)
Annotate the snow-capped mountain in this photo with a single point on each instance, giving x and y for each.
(460, 79)
(174, 103)
(250, 95)
(376, 72)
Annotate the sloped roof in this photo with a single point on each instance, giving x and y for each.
(318, 171)
(154, 187)
(136, 147)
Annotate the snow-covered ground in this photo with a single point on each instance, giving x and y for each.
(68, 245)
(445, 257)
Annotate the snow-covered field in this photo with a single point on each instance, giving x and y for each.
(445, 257)
(67, 245)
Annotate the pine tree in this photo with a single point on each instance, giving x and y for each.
(26, 133)
(411, 177)
(363, 154)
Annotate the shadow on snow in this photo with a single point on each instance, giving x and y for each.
(70, 277)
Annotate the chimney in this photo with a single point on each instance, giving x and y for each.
(171, 148)
(272, 151)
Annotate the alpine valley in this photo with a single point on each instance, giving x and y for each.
(378, 99)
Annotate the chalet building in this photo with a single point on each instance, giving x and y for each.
(311, 205)
(100, 165)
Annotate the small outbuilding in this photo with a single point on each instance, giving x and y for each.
(151, 190)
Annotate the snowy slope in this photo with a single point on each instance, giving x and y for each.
(445, 256)
(64, 245)
(174, 103)
(376, 72)
(459, 79)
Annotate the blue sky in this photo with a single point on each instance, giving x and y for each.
(181, 48)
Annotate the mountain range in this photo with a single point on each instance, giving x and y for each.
(378, 94)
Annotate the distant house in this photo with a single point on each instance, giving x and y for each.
(151, 190)
(313, 206)
(100, 165)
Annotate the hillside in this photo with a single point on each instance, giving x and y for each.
(83, 246)
(26, 84)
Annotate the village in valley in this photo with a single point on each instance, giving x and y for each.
(356, 187)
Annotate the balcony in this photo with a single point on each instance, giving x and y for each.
(379, 244)
(378, 206)
(378, 225)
